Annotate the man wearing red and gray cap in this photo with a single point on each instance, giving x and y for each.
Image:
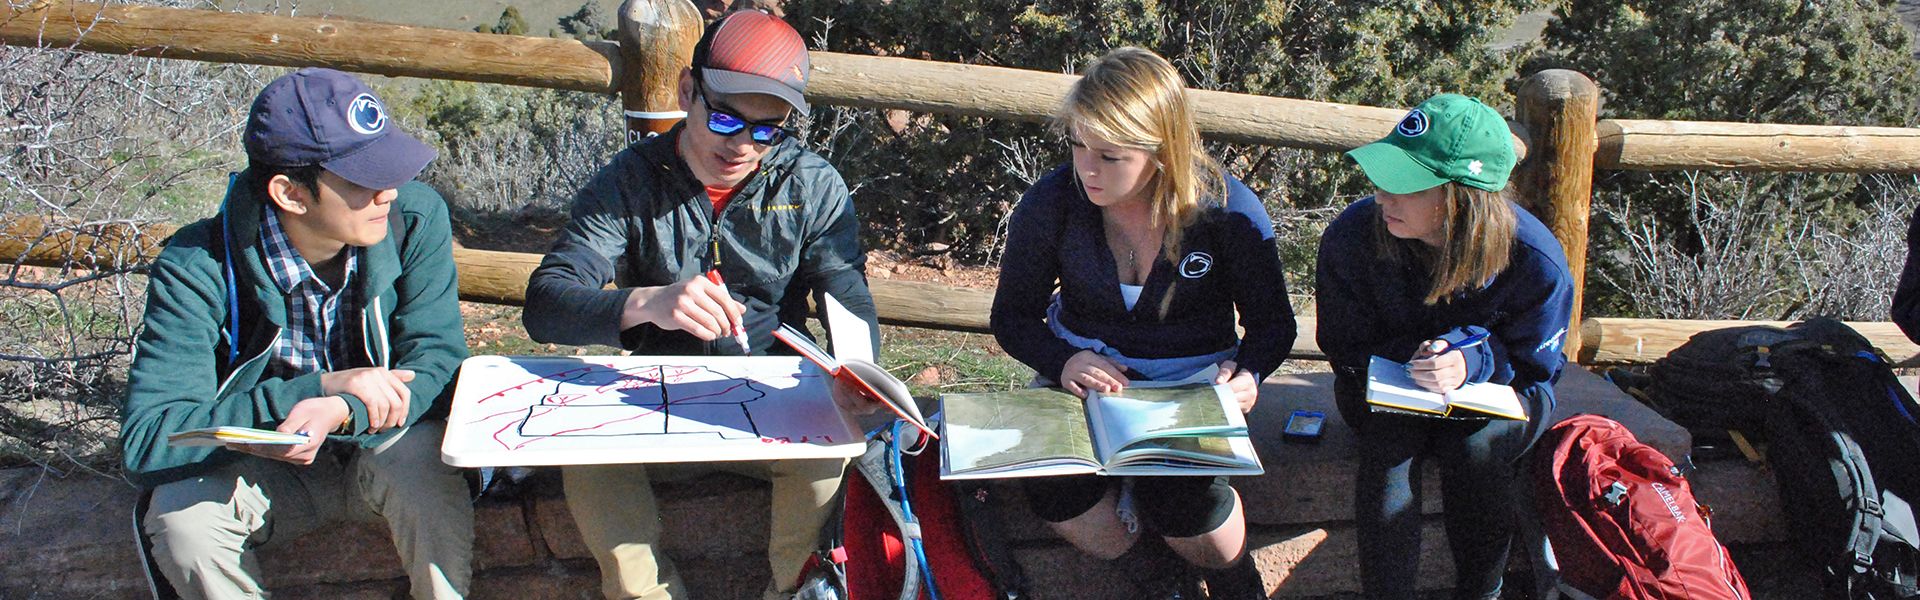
(728, 190)
(320, 301)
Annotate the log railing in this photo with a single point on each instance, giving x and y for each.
(883, 82)
(501, 278)
(1557, 106)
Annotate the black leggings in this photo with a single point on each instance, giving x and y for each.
(1477, 486)
(1174, 506)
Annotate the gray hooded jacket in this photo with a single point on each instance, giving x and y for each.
(645, 221)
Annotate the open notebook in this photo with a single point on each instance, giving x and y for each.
(852, 362)
(1389, 389)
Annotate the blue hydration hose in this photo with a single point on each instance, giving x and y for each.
(906, 507)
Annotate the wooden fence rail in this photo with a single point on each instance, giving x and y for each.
(501, 278)
(1559, 105)
(881, 82)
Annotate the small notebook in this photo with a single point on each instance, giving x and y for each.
(221, 436)
(1390, 389)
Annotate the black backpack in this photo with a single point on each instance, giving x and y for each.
(1719, 380)
(1845, 451)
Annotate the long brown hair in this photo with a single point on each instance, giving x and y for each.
(1478, 229)
(1135, 99)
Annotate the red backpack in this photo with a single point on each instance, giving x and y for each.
(903, 534)
(1622, 521)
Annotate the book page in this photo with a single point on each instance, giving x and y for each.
(805, 346)
(852, 337)
(222, 435)
(889, 390)
(1187, 456)
(1490, 398)
(1137, 413)
(1389, 385)
(1007, 432)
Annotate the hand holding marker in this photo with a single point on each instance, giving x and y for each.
(739, 331)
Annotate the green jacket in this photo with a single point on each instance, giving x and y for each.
(182, 379)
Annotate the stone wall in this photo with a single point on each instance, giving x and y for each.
(73, 536)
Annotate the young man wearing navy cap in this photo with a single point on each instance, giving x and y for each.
(321, 300)
(729, 189)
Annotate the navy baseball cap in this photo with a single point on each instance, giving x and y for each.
(328, 118)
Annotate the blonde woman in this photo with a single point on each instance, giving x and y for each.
(1152, 248)
(1439, 257)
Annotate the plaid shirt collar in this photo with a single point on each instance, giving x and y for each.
(315, 336)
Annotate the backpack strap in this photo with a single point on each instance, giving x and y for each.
(880, 466)
(1867, 512)
(397, 229)
(231, 329)
(824, 576)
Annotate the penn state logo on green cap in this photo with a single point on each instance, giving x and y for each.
(1414, 125)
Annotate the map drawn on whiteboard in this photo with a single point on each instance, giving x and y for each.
(550, 410)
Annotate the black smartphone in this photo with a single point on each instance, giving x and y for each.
(1304, 426)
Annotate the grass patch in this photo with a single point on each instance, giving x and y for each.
(933, 362)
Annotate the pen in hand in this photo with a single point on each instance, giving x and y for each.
(1471, 341)
(739, 331)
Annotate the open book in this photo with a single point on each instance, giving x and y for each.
(1390, 389)
(1187, 427)
(854, 363)
(221, 436)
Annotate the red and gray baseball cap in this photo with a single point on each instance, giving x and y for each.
(328, 118)
(752, 52)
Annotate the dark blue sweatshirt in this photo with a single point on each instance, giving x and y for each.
(1368, 306)
(1906, 298)
(1227, 260)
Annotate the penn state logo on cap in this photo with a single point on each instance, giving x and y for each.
(365, 116)
(1414, 124)
(1196, 265)
(331, 119)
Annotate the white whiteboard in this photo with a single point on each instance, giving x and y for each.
(579, 410)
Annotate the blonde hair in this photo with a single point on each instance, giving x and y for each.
(1478, 228)
(1135, 99)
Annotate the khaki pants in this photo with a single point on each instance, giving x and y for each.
(614, 507)
(204, 529)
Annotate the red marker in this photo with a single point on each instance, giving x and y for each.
(739, 332)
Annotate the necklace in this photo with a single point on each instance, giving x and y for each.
(1130, 270)
(1129, 246)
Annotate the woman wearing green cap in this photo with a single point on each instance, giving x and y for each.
(1152, 248)
(1439, 257)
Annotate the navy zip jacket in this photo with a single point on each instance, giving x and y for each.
(1227, 260)
(1906, 298)
(1369, 307)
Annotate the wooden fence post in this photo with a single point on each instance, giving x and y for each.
(1560, 108)
(656, 42)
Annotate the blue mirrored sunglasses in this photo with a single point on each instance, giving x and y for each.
(729, 124)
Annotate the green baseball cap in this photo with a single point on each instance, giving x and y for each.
(1449, 137)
